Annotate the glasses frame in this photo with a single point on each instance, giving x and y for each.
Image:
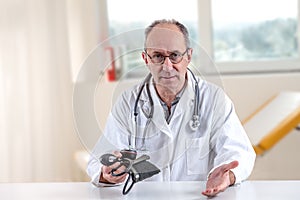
(181, 54)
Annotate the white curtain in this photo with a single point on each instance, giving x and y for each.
(37, 135)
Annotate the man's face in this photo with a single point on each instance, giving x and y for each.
(167, 40)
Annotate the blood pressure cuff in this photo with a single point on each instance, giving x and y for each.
(137, 169)
(143, 170)
(139, 172)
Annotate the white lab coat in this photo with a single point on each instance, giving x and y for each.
(180, 153)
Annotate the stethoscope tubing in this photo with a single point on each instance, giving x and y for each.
(135, 111)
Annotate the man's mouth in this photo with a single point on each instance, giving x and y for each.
(168, 77)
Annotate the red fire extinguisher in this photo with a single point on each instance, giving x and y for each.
(111, 71)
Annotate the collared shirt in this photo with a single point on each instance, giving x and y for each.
(169, 113)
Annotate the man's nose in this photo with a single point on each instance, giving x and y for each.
(167, 64)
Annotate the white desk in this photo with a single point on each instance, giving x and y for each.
(253, 190)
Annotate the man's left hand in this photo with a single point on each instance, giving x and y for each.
(220, 179)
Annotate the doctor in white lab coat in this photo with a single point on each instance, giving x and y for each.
(217, 149)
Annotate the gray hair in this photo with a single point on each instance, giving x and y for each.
(181, 27)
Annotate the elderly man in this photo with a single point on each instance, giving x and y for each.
(187, 125)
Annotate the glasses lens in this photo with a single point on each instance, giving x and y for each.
(175, 58)
(158, 58)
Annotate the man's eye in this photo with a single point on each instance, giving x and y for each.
(175, 55)
(157, 56)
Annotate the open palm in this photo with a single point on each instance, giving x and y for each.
(220, 179)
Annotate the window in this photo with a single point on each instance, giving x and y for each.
(254, 30)
(251, 35)
(240, 36)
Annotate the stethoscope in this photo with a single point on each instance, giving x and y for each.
(194, 123)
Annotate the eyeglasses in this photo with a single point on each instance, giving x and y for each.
(175, 57)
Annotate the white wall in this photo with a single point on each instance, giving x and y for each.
(249, 91)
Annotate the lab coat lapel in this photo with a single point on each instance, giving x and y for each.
(179, 123)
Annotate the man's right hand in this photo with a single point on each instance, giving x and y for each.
(106, 176)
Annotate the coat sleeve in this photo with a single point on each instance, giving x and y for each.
(229, 140)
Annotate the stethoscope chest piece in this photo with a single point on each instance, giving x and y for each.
(194, 122)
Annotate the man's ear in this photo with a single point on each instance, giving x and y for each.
(144, 56)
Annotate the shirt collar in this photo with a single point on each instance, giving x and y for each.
(177, 97)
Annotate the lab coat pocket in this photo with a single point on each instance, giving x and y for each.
(197, 155)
